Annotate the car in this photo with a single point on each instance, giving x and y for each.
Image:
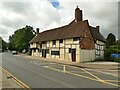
(24, 51)
(14, 52)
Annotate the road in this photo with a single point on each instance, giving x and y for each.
(44, 74)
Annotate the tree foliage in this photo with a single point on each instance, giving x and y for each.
(113, 47)
(110, 39)
(20, 39)
(3, 45)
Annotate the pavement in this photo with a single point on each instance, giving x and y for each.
(6, 82)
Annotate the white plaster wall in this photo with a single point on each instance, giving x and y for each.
(87, 55)
(100, 42)
(48, 43)
(68, 41)
(76, 42)
(32, 53)
(57, 43)
(33, 45)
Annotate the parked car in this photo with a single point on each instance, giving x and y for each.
(14, 52)
(24, 51)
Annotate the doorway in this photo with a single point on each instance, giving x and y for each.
(44, 53)
(73, 53)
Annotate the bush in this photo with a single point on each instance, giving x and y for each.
(117, 60)
(110, 50)
(29, 52)
(108, 55)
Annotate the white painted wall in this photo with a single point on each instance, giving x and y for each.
(87, 55)
(81, 54)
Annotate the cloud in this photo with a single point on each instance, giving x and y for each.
(18, 7)
(45, 15)
(119, 21)
(37, 14)
(3, 30)
(104, 14)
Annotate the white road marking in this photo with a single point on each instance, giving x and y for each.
(103, 72)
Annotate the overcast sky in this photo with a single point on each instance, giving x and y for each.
(45, 14)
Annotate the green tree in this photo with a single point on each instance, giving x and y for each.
(20, 39)
(111, 38)
(3, 45)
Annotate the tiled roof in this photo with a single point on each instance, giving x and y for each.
(74, 29)
(96, 34)
(67, 31)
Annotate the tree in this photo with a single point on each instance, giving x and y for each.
(110, 39)
(20, 39)
(118, 43)
(3, 45)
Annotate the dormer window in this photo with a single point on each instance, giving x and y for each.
(61, 40)
(76, 39)
(43, 42)
(54, 42)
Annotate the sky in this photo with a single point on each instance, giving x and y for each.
(48, 14)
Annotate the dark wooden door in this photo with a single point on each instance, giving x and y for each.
(74, 55)
(44, 53)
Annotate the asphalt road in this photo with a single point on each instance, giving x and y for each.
(43, 74)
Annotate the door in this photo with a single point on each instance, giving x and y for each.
(73, 55)
(44, 53)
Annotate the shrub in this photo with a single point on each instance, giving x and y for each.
(29, 52)
(117, 60)
(110, 50)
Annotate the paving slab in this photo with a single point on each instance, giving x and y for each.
(7, 83)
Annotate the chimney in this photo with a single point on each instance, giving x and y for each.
(98, 28)
(78, 14)
(37, 31)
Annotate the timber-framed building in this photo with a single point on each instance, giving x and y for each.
(75, 42)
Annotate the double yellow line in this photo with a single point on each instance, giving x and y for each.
(20, 83)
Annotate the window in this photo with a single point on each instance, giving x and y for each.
(31, 43)
(54, 42)
(43, 42)
(69, 50)
(47, 50)
(37, 42)
(40, 50)
(55, 53)
(34, 50)
(76, 39)
(61, 40)
(96, 52)
(41, 45)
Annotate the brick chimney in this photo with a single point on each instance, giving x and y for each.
(98, 28)
(37, 31)
(78, 14)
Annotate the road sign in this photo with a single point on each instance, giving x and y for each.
(115, 55)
